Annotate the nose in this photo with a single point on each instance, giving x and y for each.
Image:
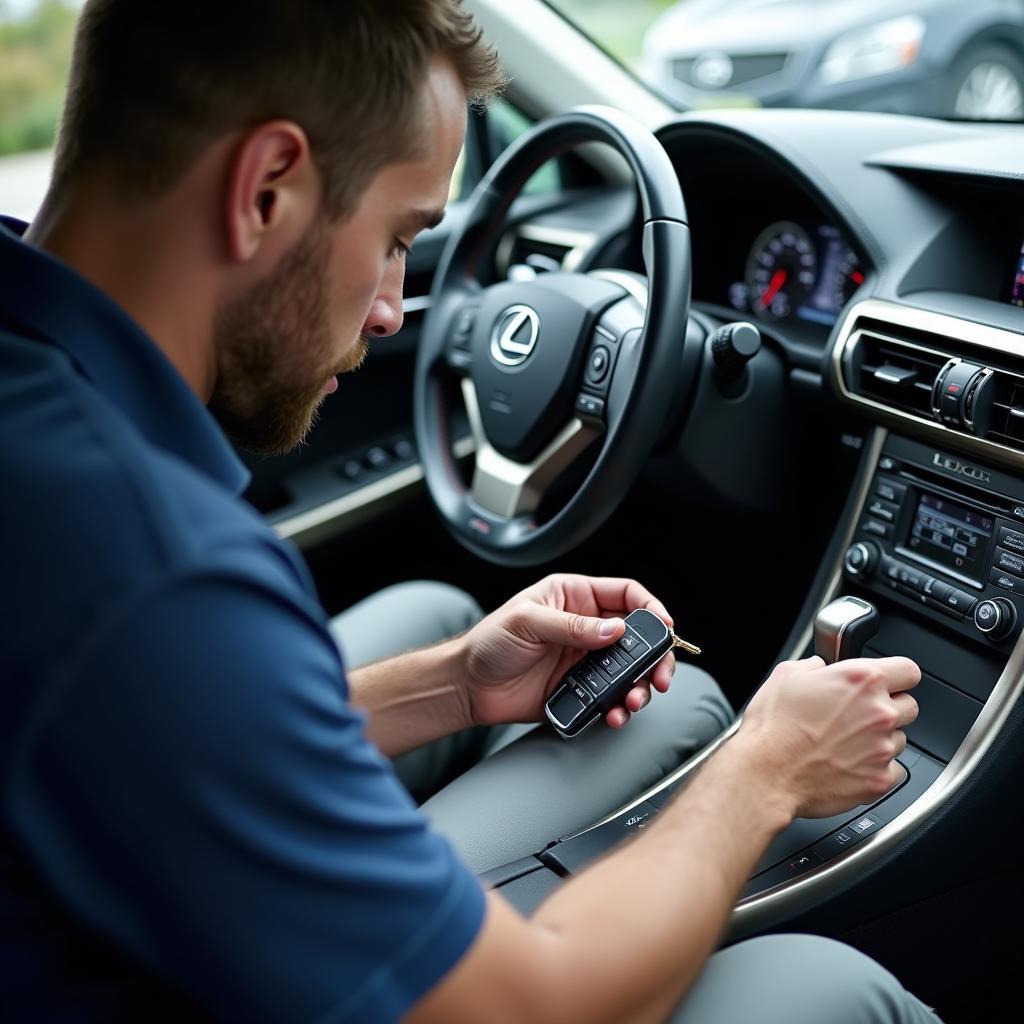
(386, 316)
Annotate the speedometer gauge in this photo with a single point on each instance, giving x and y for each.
(848, 278)
(782, 269)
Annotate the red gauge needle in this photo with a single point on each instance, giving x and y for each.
(858, 277)
(777, 281)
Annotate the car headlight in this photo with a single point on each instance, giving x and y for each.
(888, 46)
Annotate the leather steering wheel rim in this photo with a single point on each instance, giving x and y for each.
(656, 353)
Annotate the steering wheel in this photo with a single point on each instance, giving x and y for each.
(552, 367)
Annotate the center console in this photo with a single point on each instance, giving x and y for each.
(945, 536)
(935, 542)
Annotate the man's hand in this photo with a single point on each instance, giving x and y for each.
(829, 734)
(515, 657)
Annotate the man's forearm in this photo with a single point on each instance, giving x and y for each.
(413, 698)
(635, 929)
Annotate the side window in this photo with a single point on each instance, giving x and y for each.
(486, 138)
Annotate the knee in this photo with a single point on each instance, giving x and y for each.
(695, 694)
(815, 979)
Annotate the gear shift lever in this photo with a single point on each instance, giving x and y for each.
(843, 627)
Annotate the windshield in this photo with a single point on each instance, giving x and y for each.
(934, 58)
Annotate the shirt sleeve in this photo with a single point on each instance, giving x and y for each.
(200, 791)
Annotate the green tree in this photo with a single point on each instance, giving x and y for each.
(35, 52)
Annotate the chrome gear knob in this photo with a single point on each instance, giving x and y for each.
(843, 627)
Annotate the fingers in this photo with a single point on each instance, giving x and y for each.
(906, 708)
(625, 595)
(899, 673)
(661, 676)
(569, 629)
(617, 717)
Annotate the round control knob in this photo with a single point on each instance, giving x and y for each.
(861, 559)
(995, 617)
(733, 346)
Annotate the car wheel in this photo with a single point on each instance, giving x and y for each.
(988, 85)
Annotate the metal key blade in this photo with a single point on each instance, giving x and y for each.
(685, 645)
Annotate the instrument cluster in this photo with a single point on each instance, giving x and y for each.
(797, 271)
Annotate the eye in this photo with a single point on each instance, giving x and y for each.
(398, 251)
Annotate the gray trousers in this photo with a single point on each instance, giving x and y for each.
(503, 793)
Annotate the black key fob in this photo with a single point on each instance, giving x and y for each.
(592, 687)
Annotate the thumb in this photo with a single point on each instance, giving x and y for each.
(585, 632)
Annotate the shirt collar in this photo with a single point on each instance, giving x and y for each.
(47, 298)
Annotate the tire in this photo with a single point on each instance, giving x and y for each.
(987, 84)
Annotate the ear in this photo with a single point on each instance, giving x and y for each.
(273, 191)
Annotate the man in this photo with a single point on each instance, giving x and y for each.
(194, 817)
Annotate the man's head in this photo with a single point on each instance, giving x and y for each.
(314, 139)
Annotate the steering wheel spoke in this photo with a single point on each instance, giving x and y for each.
(510, 488)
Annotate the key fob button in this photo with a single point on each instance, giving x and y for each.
(629, 646)
(592, 679)
(610, 665)
(566, 707)
(586, 698)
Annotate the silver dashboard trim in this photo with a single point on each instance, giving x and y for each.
(965, 332)
(335, 516)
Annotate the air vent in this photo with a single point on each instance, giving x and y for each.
(1000, 416)
(539, 256)
(895, 372)
(542, 249)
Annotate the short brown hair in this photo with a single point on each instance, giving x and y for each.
(152, 84)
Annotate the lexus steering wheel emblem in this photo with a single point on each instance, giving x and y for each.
(515, 335)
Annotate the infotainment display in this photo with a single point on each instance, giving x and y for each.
(1017, 288)
(951, 534)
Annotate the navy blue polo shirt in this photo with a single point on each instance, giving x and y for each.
(185, 785)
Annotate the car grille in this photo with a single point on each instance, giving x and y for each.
(746, 68)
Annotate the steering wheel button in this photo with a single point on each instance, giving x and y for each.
(588, 405)
(597, 368)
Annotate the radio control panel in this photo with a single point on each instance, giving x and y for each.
(947, 538)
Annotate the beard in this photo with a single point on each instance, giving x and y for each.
(275, 352)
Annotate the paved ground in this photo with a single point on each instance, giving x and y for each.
(23, 181)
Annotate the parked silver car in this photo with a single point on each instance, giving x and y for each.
(941, 58)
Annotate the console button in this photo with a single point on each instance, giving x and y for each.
(938, 590)
(1009, 562)
(804, 862)
(886, 463)
(890, 491)
(1007, 582)
(883, 510)
(877, 528)
(1011, 539)
(865, 823)
(956, 603)
(377, 458)
(912, 579)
